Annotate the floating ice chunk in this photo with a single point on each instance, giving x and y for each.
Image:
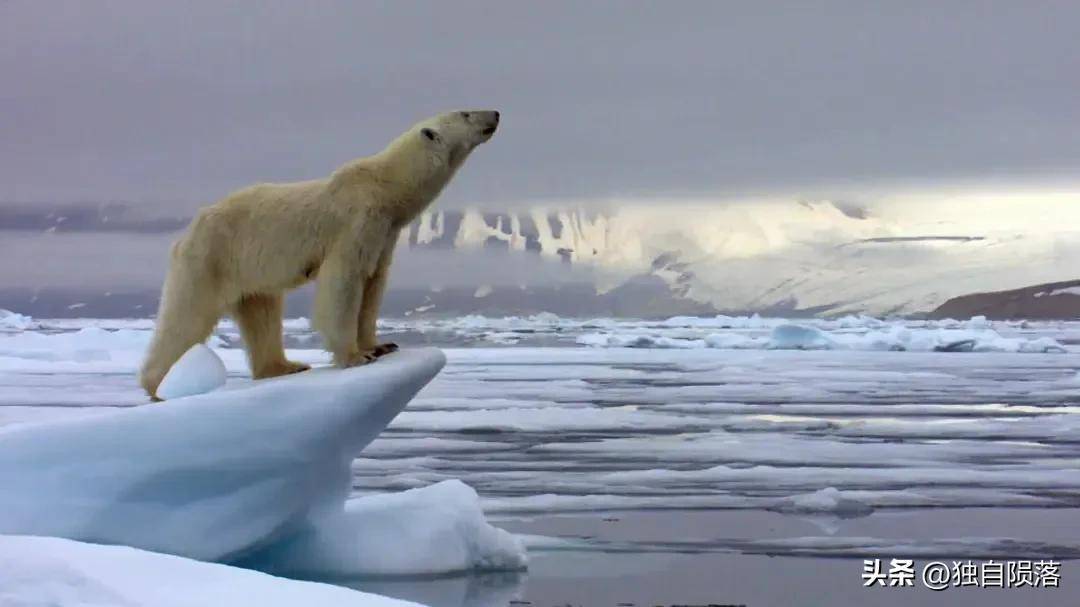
(799, 337)
(55, 572)
(616, 340)
(734, 341)
(198, 371)
(829, 500)
(13, 321)
(216, 478)
(1046, 345)
(858, 321)
(439, 528)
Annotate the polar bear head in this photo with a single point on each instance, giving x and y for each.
(424, 158)
(415, 167)
(455, 134)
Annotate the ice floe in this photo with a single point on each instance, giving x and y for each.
(55, 572)
(233, 473)
(438, 528)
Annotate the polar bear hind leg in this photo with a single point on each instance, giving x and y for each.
(186, 317)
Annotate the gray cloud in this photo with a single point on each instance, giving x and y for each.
(174, 104)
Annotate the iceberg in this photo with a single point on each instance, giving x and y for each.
(243, 472)
(799, 337)
(13, 321)
(50, 572)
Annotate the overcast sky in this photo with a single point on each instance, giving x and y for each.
(176, 103)
(168, 106)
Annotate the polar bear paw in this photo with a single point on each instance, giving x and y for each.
(359, 358)
(384, 349)
(284, 367)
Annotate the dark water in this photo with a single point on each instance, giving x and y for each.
(696, 558)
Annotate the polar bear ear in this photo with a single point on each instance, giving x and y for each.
(430, 134)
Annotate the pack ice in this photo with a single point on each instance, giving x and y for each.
(258, 474)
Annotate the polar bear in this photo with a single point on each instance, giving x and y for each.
(240, 255)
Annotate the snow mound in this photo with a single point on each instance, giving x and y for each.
(436, 528)
(232, 473)
(198, 371)
(54, 572)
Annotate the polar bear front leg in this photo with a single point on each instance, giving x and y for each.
(343, 279)
(374, 288)
(337, 304)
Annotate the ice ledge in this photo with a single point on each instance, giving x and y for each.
(51, 572)
(213, 477)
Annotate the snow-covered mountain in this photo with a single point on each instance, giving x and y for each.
(902, 254)
(899, 256)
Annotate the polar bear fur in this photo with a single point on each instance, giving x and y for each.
(240, 255)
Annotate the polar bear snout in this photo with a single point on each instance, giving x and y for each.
(489, 124)
(486, 121)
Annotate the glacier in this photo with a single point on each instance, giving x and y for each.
(245, 471)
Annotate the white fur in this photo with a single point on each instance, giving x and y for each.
(242, 254)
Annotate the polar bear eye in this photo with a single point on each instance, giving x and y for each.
(430, 134)
(464, 114)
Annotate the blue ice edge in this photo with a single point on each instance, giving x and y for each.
(226, 475)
